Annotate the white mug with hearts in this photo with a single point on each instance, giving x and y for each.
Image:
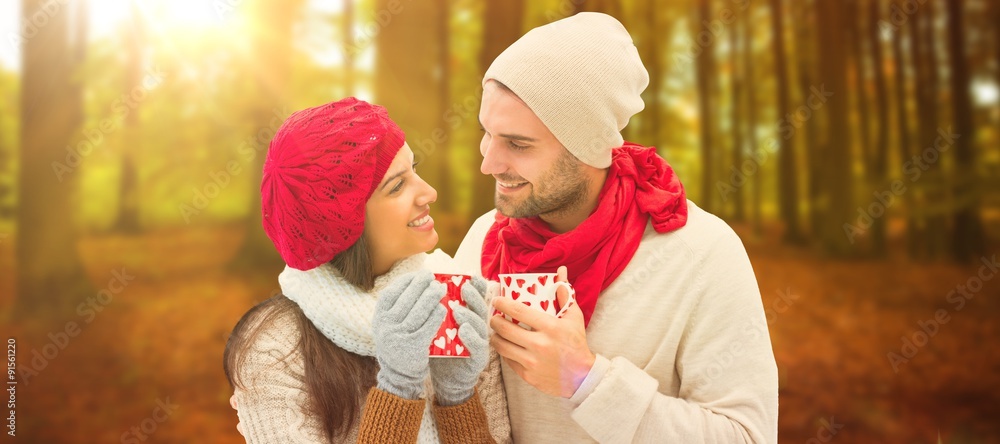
(537, 291)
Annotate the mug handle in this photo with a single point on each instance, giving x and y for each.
(572, 297)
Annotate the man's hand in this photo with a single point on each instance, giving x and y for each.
(554, 357)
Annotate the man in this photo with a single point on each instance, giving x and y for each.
(668, 341)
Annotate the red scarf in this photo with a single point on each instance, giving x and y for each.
(640, 186)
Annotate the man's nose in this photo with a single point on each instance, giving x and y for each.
(492, 163)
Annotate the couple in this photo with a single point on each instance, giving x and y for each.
(667, 343)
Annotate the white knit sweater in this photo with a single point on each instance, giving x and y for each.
(272, 408)
(683, 349)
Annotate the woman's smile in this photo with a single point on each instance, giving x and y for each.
(424, 222)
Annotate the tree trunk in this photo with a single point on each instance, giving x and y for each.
(918, 194)
(967, 235)
(736, 76)
(445, 200)
(996, 47)
(836, 172)
(934, 193)
(404, 47)
(50, 276)
(653, 59)
(706, 72)
(878, 161)
(502, 23)
(805, 49)
(788, 197)
(128, 202)
(272, 42)
(858, 61)
(751, 104)
(857, 36)
(902, 119)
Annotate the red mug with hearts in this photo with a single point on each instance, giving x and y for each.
(536, 290)
(446, 343)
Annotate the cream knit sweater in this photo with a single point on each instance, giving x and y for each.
(272, 409)
(683, 349)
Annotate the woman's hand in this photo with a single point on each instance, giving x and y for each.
(407, 316)
(455, 378)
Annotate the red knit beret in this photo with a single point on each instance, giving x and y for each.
(322, 166)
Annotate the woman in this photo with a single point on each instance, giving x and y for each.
(342, 355)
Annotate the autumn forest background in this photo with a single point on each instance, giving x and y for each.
(853, 144)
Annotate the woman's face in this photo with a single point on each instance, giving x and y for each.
(398, 222)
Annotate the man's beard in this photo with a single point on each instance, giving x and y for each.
(561, 189)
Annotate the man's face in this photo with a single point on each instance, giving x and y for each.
(535, 174)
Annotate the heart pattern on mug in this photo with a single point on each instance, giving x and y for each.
(534, 290)
(447, 342)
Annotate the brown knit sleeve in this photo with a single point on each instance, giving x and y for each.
(390, 418)
(463, 423)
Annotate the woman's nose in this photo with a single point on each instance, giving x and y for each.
(428, 194)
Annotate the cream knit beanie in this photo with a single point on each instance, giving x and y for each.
(582, 77)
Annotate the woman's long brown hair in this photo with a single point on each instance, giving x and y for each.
(336, 380)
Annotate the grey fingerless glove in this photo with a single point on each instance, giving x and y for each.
(407, 317)
(455, 378)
